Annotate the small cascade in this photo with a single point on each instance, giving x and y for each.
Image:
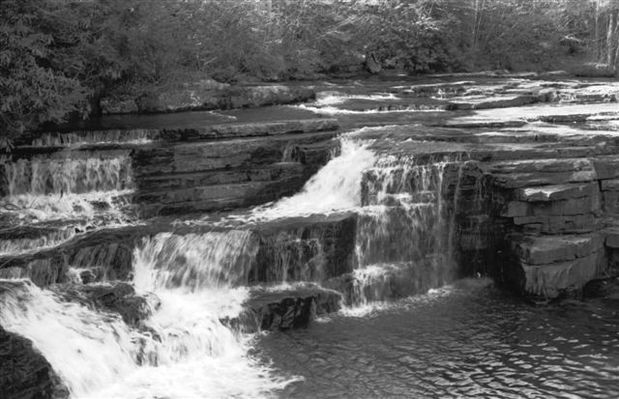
(14, 243)
(48, 188)
(44, 176)
(287, 257)
(129, 136)
(196, 261)
(334, 188)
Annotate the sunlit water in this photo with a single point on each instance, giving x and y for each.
(468, 341)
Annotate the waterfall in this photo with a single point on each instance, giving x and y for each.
(184, 351)
(406, 219)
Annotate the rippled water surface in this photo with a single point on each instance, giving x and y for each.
(473, 342)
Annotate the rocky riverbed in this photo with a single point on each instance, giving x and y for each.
(369, 191)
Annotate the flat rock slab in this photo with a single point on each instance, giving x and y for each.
(236, 130)
(563, 224)
(566, 207)
(556, 192)
(542, 250)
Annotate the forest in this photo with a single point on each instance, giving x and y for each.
(58, 57)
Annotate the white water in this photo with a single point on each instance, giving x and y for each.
(195, 261)
(43, 189)
(88, 349)
(336, 187)
(105, 205)
(49, 239)
(40, 176)
(196, 355)
(133, 136)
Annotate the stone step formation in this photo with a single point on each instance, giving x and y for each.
(516, 178)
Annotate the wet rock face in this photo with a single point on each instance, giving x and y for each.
(24, 372)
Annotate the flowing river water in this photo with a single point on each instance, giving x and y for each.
(445, 336)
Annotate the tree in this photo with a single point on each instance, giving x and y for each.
(34, 89)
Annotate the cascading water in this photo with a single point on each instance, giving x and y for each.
(404, 230)
(336, 187)
(88, 349)
(47, 239)
(406, 219)
(185, 351)
(43, 188)
(133, 136)
(40, 176)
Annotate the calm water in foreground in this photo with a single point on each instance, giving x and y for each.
(469, 341)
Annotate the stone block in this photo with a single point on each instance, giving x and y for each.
(286, 309)
(539, 250)
(611, 237)
(560, 224)
(607, 167)
(549, 281)
(541, 166)
(610, 185)
(568, 207)
(610, 201)
(521, 180)
(557, 192)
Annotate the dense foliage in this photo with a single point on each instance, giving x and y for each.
(58, 57)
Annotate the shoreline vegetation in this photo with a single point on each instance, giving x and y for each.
(60, 58)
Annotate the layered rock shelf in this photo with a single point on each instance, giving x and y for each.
(529, 184)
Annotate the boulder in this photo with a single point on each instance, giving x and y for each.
(288, 308)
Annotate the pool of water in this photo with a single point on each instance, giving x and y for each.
(470, 340)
